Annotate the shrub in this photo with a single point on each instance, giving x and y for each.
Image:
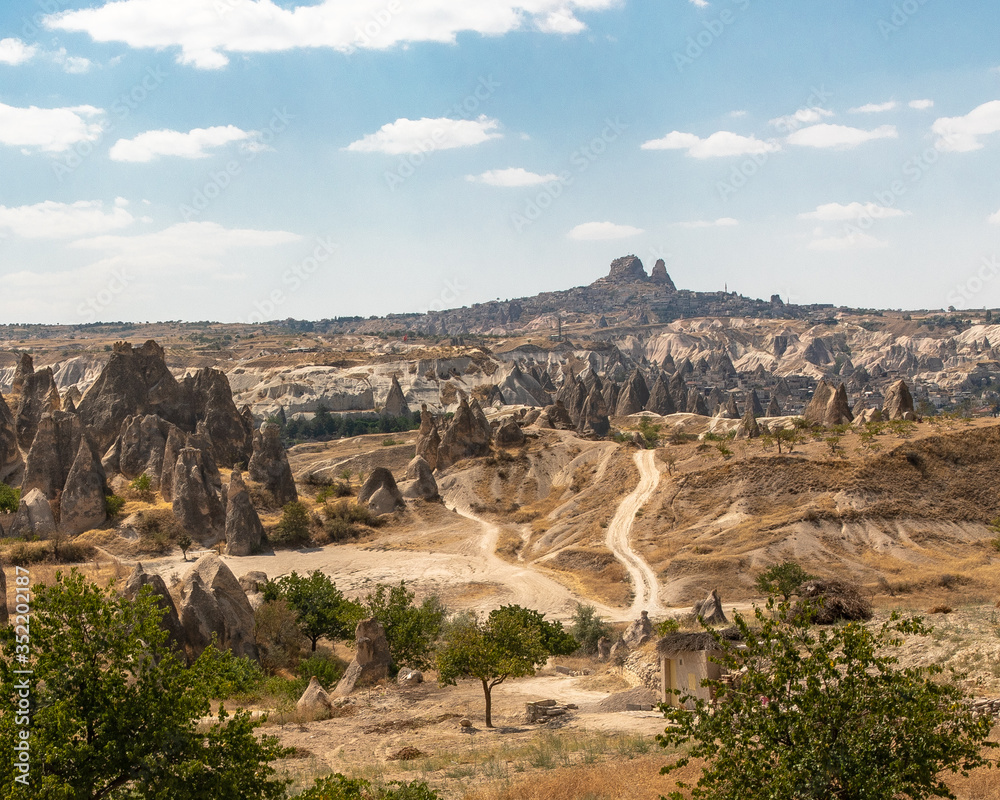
(293, 530)
(10, 498)
(336, 489)
(783, 579)
(337, 787)
(588, 627)
(113, 504)
(278, 636)
(142, 487)
(329, 670)
(410, 630)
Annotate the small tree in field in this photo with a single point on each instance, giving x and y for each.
(321, 607)
(588, 628)
(783, 579)
(827, 715)
(511, 643)
(410, 630)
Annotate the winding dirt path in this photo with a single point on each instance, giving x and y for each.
(647, 587)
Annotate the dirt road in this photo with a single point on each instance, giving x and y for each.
(647, 587)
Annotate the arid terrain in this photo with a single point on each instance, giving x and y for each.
(633, 470)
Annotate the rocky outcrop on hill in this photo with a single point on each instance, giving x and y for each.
(81, 504)
(372, 659)
(594, 419)
(640, 631)
(556, 416)
(244, 531)
(34, 517)
(315, 703)
(898, 402)
(213, 602)
(395, 402)
(176, 441)
(420, 483)
(466, 437)
(828, 406)
(696, 403)
(522, 389)
(774, 407)
(753, 403)
(11, 463)
(209, 395)
(509, 434)
(660, 277)
(748, 427)
(380, 493)
(170, 621)
(634, 396)
(25, 367)
(139, 448)
(196, 489)
(626, 269)
(134, 381)
(39, 396)
(269, 464)
(660, 402)
(428, 438)
(710, 609)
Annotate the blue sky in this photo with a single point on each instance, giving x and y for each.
(240, 159)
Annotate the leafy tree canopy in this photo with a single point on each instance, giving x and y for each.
(827, 714)
(114, 711)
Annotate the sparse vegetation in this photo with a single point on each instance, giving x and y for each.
(321, 608)
(294, 528)
(782, 579)
(588, 628)
(10, 498)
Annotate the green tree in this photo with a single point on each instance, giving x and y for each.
(10, 498)
(783, 579)
(337, 787)
(511, 643)
(321, 607)
(410, 630)
(184, 543)
(115, 714)
(293, 529)
(829, 715)
(588, 628)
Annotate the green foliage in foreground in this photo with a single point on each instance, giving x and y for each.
(116, 714)
(321, 607)
(337, 787)
(826, 714)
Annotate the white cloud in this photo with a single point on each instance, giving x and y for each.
(722, 222)
(718, 145)
(14, 52)
(921, 105)
(804, 116)
(995, 219)
(700, 3)
(827, 135)
(962, 134)
(185, 240)
(425, 135)
(835, 212)
(513, 177)
(206, 32)
(50, 130)
(850, 241)
(738, 114)
(149, 145)
(873, 108)
(52, 220)
(602, 231)
(74, 65)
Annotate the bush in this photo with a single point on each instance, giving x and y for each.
(23, 554)
(278, 636)
(587, 628)
(410, 630)
(293, 530)
(784, 579)
(113, 504)
(336, 489)
(337, 787)
(10, 498)
(328, 669)
(824, 715)
(142, 487)
(158, 530)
